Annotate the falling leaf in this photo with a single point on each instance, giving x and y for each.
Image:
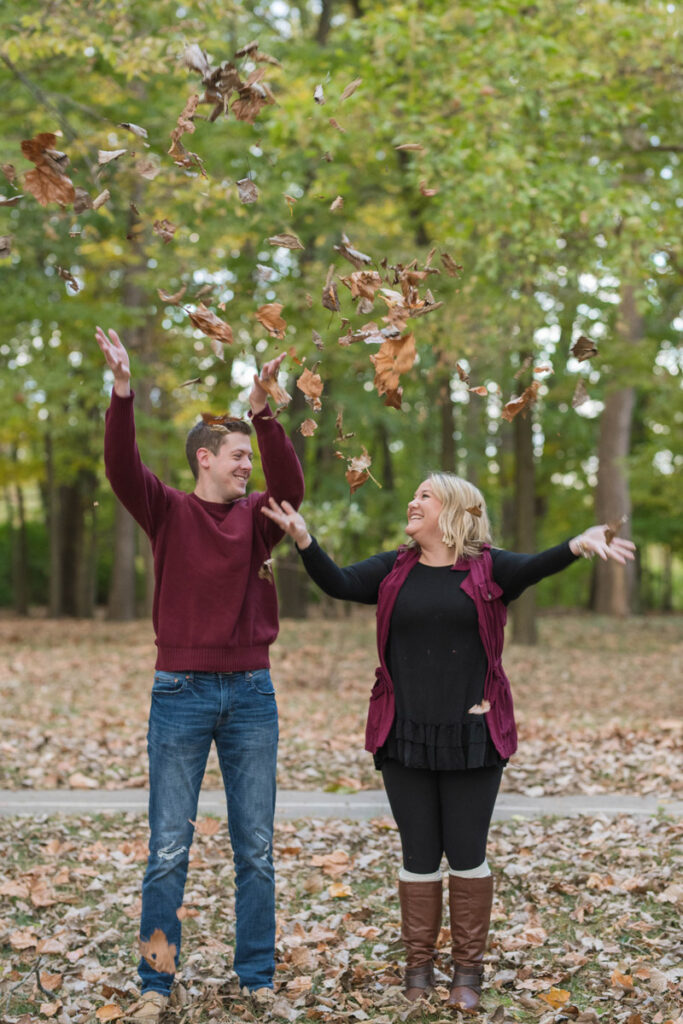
(308, 428)
(337, 204)
(613, 527)
(9, 171)
(165, 229)
(291, 202)
(556, 997)
(543, 369)
(185, 125)
(335, 124)
(46, 181)
(287, 241)
(101, 199)
(462, 374)
(583, 348)
(526, 363)
(312, 386)
(279, 395)
(352, 255)
(10, 200)
(363, 284)
(206, 827)
(141, 133)
(484, 707)
(394, 357)
(211, 325)
(252, 96)
(247, 191)
(148, 167)
(158, 953)
(524, 402)
(105, 156)
(580, 394)
(358, 472)
(174, 299)
(339, 425)
(414, 147)
(330, 298)
(425, 190)
(480, 390)
(187, 383)
(269, 316)
(318, 95)
(5, 246)
(393, 398)
(67, 276)
(452, 268)
(317, 340)
(350, 89)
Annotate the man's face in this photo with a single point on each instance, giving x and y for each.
(227, 473)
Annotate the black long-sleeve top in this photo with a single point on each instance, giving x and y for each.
(434, 653)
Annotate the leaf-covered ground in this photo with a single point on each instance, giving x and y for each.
(598, 702)
(586, 924)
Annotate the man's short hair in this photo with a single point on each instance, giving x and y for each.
(211, 436)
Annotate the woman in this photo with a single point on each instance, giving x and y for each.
(441, 724)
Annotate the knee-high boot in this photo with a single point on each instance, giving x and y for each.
(470, 901)
(421, 906)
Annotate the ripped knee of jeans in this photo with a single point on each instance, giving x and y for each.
(171, 851)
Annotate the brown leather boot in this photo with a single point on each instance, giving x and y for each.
(421, 904)
(470, 901)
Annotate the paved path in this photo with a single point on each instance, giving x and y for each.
(318, 804)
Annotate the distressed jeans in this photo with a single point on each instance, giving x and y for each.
(238, 711)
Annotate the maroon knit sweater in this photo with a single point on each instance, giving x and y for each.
(212, 612)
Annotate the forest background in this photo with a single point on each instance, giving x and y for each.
(498, 183)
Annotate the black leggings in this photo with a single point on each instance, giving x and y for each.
(439, 812)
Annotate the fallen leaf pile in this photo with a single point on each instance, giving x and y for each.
(76, 696)
(584, 924)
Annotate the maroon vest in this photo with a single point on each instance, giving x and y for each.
(491, 613)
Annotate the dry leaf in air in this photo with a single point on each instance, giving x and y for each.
(158, 953)
(525, 401)
(351, 88)
(330, 299)
(287, 241)
(312, 386)
(269, 316)
(308, 428)
(583, 348)
(247, 191)
(211, 325)
(394, 357)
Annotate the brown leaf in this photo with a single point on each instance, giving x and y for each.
(247, 191)
(613, 527)
(393, 398)
(352, 255)
(174, 299)
(350, 89)
(556, 997)
(425, 190)
(211, 325)
(110, 1011)
(277, 393)
(9, 170)
(105, 156)
(480, 390)
(620, 980)
(583, 348)
(525, 401)
(158, 953)
(185, 125)
(337, 204)
(287, 241)
(10, 200)
(450, 265)
(312, 386)
(5, 246)
(141, 133)
(394, 357)
(462, 374)
(475, 510)
(47, 186)
(335, 124)
(207, 826)
(269, 316)
(484, 707)
(330, 299)
(165, 230)
(414, 147)
(580, 394)
(101, 199)
(317, 341)
(308, 428)
(363, 284)
(67, 276)
(358, 472)
(252, 96)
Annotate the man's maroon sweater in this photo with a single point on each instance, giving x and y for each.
(212, 612)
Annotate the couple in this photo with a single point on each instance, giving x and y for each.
(440, 726)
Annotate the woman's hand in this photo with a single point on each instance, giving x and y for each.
(290, 521)
(594, 542)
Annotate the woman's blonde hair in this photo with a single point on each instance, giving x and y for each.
(463, 519)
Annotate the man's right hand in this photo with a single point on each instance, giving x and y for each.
(117, 360)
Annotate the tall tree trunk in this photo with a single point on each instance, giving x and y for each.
(53, 513)
(447, 424)
(524, 609)
(613, 590)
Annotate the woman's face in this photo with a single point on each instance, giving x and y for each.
(423, 515)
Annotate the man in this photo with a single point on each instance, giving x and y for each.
(215, 615)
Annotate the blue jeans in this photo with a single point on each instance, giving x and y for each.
(238, 711)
